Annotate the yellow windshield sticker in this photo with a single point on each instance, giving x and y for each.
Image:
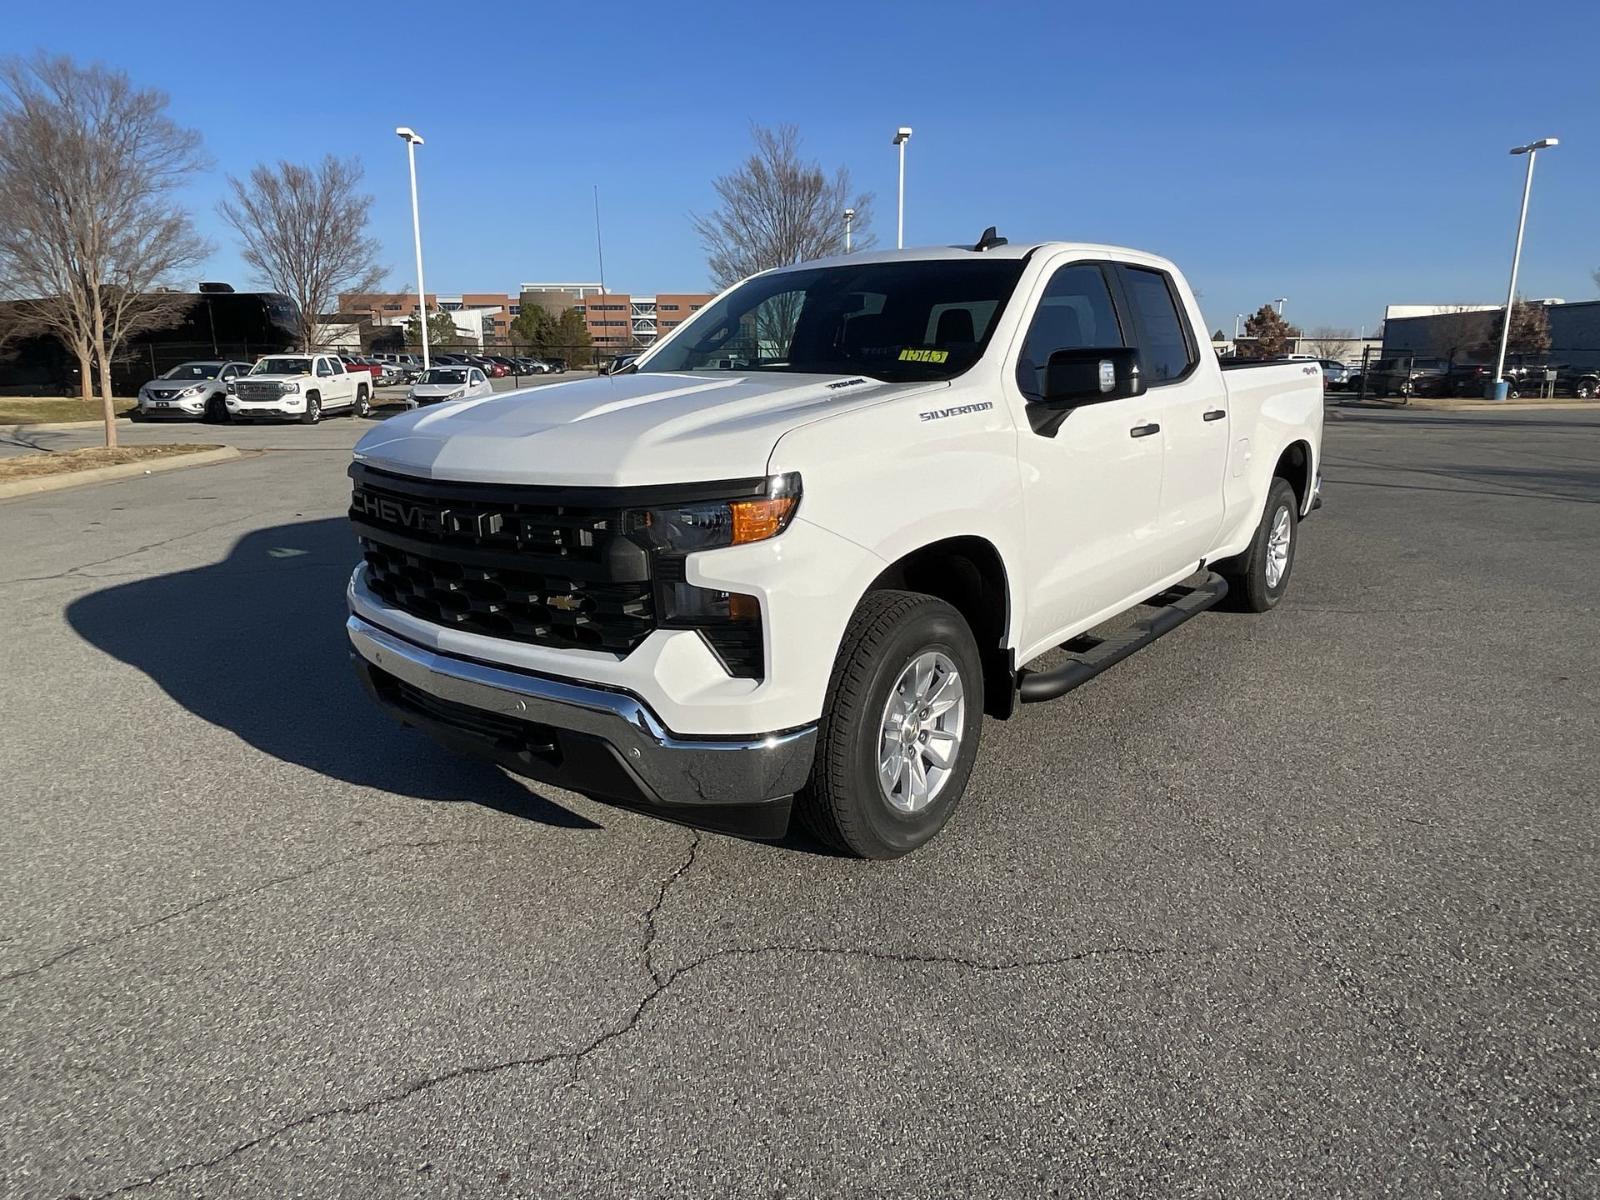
(933, 356)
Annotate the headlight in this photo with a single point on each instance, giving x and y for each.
(194, 391)
(288, 388)
(686, 528)
(457, 394)
(229, 386)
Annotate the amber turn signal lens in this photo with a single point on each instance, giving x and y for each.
(758, 520)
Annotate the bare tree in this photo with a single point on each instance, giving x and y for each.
(88, 223)
(1328, 341)
(1458, 330)
(305, 233)
(778, 209)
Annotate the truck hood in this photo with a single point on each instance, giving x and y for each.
(619, 430)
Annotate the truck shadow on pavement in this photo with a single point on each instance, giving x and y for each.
(256, 644)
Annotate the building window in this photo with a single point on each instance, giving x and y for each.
(667, 307)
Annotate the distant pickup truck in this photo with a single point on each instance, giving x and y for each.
(299, 387)
(792, 556)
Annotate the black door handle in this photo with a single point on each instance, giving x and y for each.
(1215, 414)
(1144, 430)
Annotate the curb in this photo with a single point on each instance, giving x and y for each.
(133, 470)
(60, 426)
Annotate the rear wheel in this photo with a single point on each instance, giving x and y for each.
(363, 404)
(1585, 389)
(1258, 578)
(900, 727)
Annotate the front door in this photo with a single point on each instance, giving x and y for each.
(1091, 483)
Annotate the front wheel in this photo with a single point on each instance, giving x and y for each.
(313, 412)
(1258, 578)
(216, 411)
(900, 727)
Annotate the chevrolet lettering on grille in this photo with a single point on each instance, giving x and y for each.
(405, 514)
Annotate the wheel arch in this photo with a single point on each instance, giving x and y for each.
(1297, 465)
(968, 573)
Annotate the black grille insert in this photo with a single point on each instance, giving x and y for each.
(545, 565)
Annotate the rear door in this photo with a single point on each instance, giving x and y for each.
(1092, 482)
(1187, 396)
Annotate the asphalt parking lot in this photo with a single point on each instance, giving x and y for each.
(1304, 903)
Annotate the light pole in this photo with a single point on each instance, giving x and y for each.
(901, 137)
(849, 215)
(1498, 388)
(412, 141)
(1237, 317)
(1280, 302)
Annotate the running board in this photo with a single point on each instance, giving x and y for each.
(1093, 655)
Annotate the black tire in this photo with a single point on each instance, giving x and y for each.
(363, 404)
(843, 803)
(313, 412)
(216, 411)
(1248, 590)
(1512, 393)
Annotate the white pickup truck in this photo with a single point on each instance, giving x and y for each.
(299, 387)
(792, 557)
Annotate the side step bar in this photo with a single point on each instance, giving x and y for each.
(1093, 655)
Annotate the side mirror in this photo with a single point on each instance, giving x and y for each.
(1091, 375)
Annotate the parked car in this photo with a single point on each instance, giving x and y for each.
(558, 366)
(354, 362)
(1404, 377)
(191, 389)
(1334, 374)
(572, 586)
(448, 383)
(510, 365)
(488, 366)
(299, 387)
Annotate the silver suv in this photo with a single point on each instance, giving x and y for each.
(191, 389)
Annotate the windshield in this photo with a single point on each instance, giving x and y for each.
(282, 366)
(442, 376)
(194, 371)
(895, 321)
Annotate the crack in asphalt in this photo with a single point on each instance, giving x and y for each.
(661, 982)
(77, 571)
(223, 897)
(655, 909)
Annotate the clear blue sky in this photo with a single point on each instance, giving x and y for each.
(1343, 155)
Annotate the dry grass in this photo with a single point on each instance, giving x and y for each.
(37, 410)
(31, 466)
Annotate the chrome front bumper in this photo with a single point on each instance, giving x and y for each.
(605, 744)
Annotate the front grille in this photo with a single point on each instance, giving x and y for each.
(528, 564)
(524, 605)
(256, 391)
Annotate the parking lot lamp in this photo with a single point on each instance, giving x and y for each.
(1498, 388)
(901, 137)
(849, 215)
(1280, 302)
(412, 141)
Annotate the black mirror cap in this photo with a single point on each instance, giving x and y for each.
(1093, 374)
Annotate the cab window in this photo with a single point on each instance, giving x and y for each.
(324, 368)
(1075, 313)
(1164, 349)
